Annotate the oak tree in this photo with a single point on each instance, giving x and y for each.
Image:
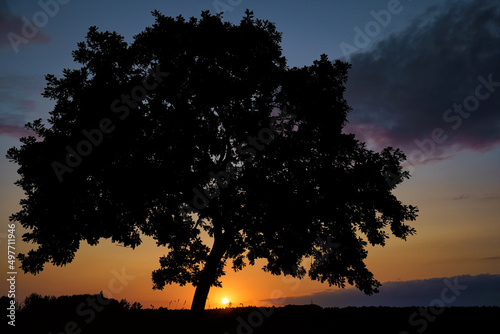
(199, 127)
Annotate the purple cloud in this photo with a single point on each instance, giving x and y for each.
(14, 131)
(20, 102)
(432, 89)
(15, 30)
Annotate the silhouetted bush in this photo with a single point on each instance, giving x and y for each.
(36, 301)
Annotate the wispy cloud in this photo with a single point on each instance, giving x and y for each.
(459, 198)
(411, 83)
(20, 102)
(469, 291)
(464, 197)
(11, 23)
(14, 131)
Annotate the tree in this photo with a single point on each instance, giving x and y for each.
(200, 125)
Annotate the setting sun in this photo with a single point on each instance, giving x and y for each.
(225, 301)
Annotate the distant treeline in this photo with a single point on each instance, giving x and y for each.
(95, 314)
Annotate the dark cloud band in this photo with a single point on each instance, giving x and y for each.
(432, 89)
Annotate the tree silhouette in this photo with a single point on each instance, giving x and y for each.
(200, 125)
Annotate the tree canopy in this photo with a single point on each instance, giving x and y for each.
(200, 125)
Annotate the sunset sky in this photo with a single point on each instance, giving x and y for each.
(425, 77)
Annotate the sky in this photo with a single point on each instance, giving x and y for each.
(425, 77)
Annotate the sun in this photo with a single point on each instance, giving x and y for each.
(225, 301)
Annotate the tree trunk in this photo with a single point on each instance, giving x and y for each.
(207, 276)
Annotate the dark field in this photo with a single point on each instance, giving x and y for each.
(79, 314)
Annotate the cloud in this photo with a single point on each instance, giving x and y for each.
(413, 89)
(460, 198)
(463, 290)
(12, 24)
(20, 102)
(464, 197)
(14, 131)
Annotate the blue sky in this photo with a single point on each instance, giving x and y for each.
(425, 77)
